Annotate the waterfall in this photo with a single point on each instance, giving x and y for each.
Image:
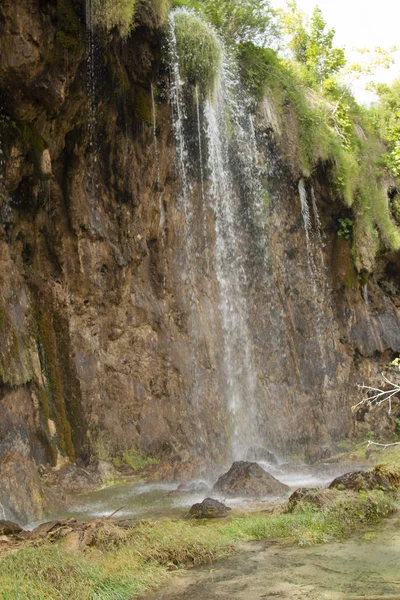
(235, 199)
(156, 151)
(91, 93)
(317, 268)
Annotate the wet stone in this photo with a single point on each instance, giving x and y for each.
(9, 528)
(248, 479)
(209, 509)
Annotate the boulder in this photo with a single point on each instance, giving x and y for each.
(258, 453)
(209, 509)
(310, 495)
(72, 479)
(382, 477)
(248, 479)
(9, 528)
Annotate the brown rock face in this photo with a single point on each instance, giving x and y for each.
(249, 480)
(111, 338)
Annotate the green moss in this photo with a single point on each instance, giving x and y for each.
(160, 9)
(112, 14)
(51, 366)
(199, 50)
(69, 31)
(142, 106)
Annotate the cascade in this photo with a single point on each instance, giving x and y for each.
(91, 93)
(230, 182)
(317, 271)
(156, 151)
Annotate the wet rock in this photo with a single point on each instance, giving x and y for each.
(209, 509)
(195, 486)
(317, 453)
(180, 470)
(258, 453)
(9, 528)
(250, 480)
(22, 494)
(72, 479)
(382, 477)
(45, 164)
(309, 495)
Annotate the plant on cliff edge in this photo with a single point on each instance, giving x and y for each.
(199, 49)
(114, 13)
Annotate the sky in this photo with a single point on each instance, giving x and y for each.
(360, 24)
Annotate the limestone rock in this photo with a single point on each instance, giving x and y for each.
(250, 480)
(382, 477)
(209, 509)
(9, 528)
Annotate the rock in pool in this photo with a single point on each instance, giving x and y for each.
(248, 479)
(209, 509)
(9, 528)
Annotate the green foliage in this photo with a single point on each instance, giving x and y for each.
(345, 230)
(112, 14)
(394, 365)
(312, 44)
(199, 50)
(160, 10)
(69, 32)
(257, 64)
(54, 391)
(386, 116)
(134, 460)
(142, 107)
(239, 21)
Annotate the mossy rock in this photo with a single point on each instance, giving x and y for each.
(69, 30)
(142, 106)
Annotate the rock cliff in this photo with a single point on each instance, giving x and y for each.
(109, 340)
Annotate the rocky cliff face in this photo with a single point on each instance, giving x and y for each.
(109, 339)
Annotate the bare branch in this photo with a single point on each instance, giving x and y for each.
(379, 396)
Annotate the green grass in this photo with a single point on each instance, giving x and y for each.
(121, 564)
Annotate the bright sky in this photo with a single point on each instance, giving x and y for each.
(360, 24)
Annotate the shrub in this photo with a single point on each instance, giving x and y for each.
(114, 13)
(199, 49)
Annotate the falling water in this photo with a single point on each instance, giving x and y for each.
(234, 196)
(91, 93)
(156, 151)
(317, 273)
(305, 212)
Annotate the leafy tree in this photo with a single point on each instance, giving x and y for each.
(239, 21)
(387, 119)
(311, 43)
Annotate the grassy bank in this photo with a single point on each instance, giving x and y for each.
(121, 563)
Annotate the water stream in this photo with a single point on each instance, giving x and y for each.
(228, 183)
